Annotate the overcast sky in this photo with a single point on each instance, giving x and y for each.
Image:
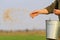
(21, 18)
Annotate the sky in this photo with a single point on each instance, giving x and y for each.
(21, 19)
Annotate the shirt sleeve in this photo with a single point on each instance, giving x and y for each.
(51, 7)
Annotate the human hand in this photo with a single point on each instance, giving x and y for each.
(57, 11)
(35, 13)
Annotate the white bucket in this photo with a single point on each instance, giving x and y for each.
(51, 29)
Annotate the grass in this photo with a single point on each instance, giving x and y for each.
(24, 36)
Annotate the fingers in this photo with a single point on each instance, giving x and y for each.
(34, 14)
(56, 11)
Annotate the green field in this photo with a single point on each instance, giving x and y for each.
(34, 35)
(23, 37)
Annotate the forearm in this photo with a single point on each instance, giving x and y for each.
(37, 12)
(43, 11)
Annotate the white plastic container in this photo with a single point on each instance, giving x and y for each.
(52, 29)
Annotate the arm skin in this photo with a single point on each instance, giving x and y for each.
(37, 12)
(57, 11)
(46, 10)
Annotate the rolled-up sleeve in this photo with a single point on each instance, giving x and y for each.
(51, 7)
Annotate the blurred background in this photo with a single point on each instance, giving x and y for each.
(20, 14)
